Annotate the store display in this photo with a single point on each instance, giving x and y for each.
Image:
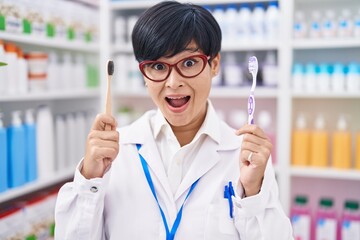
(31, 154)
(341, 145)
(3, 157)
(300, 151)
(319, 144)
(326, 220)
(349, 228)
(301, 218)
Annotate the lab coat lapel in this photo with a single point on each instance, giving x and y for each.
(205, 160)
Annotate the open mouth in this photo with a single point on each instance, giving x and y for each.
(177, 102)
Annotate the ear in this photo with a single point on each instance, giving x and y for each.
(215, 65)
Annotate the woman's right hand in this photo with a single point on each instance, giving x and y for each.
(102, 147)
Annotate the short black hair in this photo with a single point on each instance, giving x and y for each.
(168, 27)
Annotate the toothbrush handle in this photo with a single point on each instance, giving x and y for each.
(251, 108)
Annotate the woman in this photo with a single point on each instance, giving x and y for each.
(172, 175)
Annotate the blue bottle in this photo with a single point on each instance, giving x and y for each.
(31, 156)
(16, 150)
(3, 157)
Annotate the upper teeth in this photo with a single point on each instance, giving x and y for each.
(175, 97)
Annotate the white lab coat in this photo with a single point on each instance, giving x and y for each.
(121, 206)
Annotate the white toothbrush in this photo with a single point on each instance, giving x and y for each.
(253, 69)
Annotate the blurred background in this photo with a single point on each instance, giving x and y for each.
(308, 100)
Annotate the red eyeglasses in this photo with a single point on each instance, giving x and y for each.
(187, 67)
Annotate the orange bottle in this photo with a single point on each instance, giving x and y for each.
(300, 154)
(319, 144)
(357, 151)
(341, 145)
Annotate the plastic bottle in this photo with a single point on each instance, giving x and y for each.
(62, 162)
(130, 25)
(301, 143)
(270, 70)
(310, 77)
(230, 21)
(80, 125)
(11, 68)
(45, 143)
(3, 73)
(22, 70)
(71, 142)
(300, 26)
(345, 26)
(31, 155)
(326, 220)
(350, 221)
(3, 157)
(315, 25)
(357, 25)
(338, 78)
(232, 71)
(53, 73)
(341, 145)
(301, 218)
(265, 122)
(298, 78)
(329, 27)
(79, 72)
(258, 22)
(120, 30)
(319, 141)
(219, 15)
(244, 17)
(66, 72)
(323, 78)
(17, 151)
(272, 21)
(352, 78)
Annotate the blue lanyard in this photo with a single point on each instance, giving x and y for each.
(169, 234)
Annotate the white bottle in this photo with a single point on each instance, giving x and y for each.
(62, 162)
(244, 20)
(237, 118)
(130, 25)
(23, 80)
(338, 78)
(265, 122)
(272, 21)
(357, 25)
(45, 143)
(329, 27)
(298, 78)
(79, 73)
(66, 72)
(270, 70)
(120, 30)
(310, 78)
(345, 25)
(300, 25)
(232, 71)
(71, 142)
(323, 78)
(258, 22)
(80, 124)
(219, 15)
(12, 68)
(352, 79)
(315, 25)
(121, 81)
(3, 73)
(230, 21)
(53, 73)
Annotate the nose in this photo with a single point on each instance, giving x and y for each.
(174, 79)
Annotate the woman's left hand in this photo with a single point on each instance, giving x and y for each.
(255, 152)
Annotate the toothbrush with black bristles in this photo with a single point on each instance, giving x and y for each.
(108, 106)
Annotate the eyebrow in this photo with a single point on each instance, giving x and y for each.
(192, 49)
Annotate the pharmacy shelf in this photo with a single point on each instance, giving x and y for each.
(328, 173)
(345, 95)
(35, 186)
(125, 5)
(233, 47)
(52, 95)
(325, 43)
(52, 43)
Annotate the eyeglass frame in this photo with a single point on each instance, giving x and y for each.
(205, 59)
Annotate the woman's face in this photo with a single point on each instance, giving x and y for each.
(183, 100)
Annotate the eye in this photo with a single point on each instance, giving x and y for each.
(158, 66)
(189, 62)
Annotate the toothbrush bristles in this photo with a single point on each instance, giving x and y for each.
(110, 68)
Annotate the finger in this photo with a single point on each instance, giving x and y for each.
(257, 140)
(102, 120)
(103, 143)
(104, 135)
(251, 128)
(109, 153)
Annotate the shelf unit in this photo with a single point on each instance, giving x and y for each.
(283, 99)
(60, 101)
